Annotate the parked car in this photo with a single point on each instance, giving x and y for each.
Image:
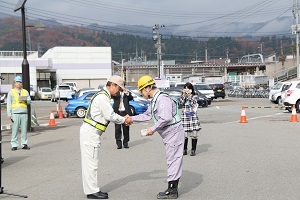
(292, 96)
(179, 84)
(61, 92)
(275, 92)
(176, 94)
(100, 86)
(137, 107)
(72, 84)
(78, 106)
(219, 90)
(44, 93)
(206, 97)
(84, 90)
(32, 93)
(205, 89)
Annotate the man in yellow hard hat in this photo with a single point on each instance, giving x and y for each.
(164, 112)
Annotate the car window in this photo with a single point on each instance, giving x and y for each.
(64, 87)
(285, 87)
(46, 90)
(298, 86)
(70, 84)
(204, 87)
(89, 96)
(277, 86)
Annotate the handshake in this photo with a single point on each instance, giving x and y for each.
(128, 120)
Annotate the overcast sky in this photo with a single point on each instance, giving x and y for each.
(186, 14)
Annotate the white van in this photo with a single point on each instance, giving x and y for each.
(179, 84)
(275, 92)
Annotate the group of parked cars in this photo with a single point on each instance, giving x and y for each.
(205, 92)
(78, 100)
(77, 103)
(286, 94)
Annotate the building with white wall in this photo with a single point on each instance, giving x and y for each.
(87, 66)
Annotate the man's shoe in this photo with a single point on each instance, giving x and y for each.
(184, 152)
(126, 145)
(26, 147)
(104, 193)
(119, 147)
(14, 148)
(98, 195)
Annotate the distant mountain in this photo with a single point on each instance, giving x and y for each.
(281, 25)
(128, 42)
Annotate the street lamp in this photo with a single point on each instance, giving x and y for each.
(25, 64)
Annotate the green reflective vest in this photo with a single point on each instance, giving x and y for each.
(176, 117)
(88, 118)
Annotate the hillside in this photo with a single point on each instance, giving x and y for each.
(182, 49)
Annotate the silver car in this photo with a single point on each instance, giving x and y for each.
(44, 93)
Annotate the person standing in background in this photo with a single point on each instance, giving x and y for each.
(121, 107)
(17, 101)
(190, 120)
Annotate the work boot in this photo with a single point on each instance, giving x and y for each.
(171, 192)
(194, 146)
(185, 146)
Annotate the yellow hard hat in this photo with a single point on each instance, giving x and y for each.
(144, 81)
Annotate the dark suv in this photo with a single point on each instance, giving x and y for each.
(219, 90)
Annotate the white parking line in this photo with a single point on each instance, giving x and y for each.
(253, 118)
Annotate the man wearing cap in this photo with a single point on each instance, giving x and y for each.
(167, 122)
(97, 118)
(17, 101)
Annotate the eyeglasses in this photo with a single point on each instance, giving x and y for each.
(141, 91)
(121, 90)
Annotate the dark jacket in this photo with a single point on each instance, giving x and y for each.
(126, 99)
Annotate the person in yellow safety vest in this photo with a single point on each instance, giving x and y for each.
(98, 115)
(17, 101)
(167, 122)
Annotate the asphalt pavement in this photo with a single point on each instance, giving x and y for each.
(234, 161)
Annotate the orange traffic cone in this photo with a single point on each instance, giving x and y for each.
(60, 113)
(243, 118)
(294, 117)
(52, 120)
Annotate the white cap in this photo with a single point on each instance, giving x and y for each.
(117, 80)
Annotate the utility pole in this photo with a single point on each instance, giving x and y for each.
(227, 55)
(295, 30)
(205, 53)
(158, 37)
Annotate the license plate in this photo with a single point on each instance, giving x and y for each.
(219, 90)
(46, 96)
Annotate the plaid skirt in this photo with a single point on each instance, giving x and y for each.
(190, 124)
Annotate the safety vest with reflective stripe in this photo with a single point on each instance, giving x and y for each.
(16, 103)
(88, 118)
(176, 117)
